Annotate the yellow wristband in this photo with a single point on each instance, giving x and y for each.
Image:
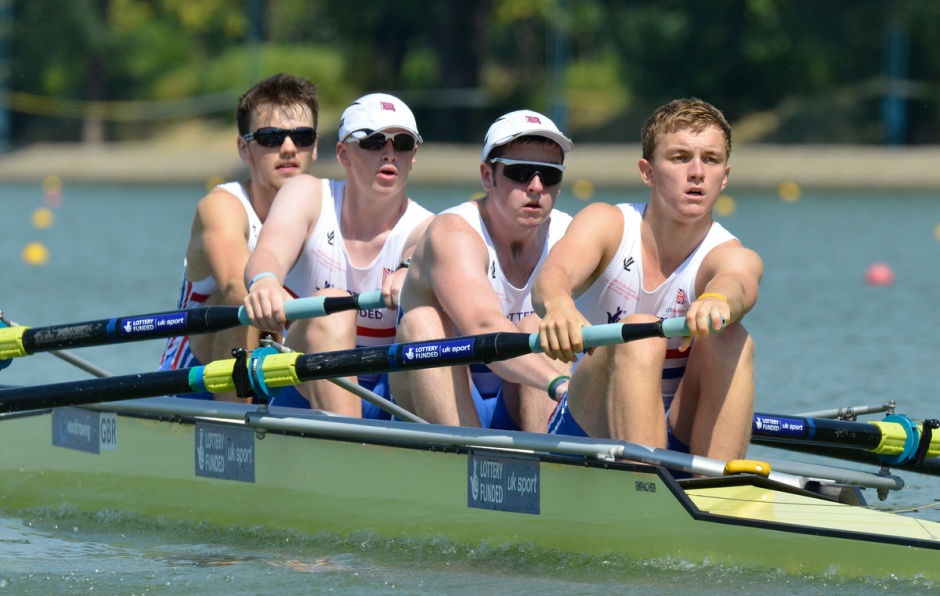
(713, 295)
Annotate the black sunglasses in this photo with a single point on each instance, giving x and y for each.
(376, 142)
(523, 171)
(274, 137)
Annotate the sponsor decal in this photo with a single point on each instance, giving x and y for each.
(515, 317)
(75, 428)
(627, 263)
(503, 483)
(681, 298)
(225, 452)
(437, 351)
(107, 431)
(791, 427)
(614, 317)
(153, 324)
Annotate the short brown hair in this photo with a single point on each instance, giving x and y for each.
(280, 90)
(691, 113)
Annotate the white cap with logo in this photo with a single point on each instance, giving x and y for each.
(374, 112)
(513, 125)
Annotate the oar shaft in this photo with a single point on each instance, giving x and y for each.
(20, 341)
(896, 439)
(820, 431)
(280, 370)
(93, 391)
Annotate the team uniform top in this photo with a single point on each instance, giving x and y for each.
(324, 263)
(619, 292)
(516, 302)
(195, 293)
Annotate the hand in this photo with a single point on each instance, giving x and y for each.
(708, 314)
(560, 332)
(264, 305)
(391, 288)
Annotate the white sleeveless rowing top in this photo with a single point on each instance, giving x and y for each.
(516, 302)
(619, 292)
(196, 293)
(324, 263)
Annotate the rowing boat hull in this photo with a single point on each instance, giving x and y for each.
(348, 482)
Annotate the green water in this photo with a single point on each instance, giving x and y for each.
(824, 338)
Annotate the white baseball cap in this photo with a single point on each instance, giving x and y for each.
(374, 112)
(520, 123)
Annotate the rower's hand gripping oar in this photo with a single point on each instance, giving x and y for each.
(23, 341)
(268, 369)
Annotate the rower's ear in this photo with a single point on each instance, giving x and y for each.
(243, 152)
(486, 176)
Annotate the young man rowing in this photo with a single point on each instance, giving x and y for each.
(333, 238)
(277, 138)
(472, 273)
(641, 262)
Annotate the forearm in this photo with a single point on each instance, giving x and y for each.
(551, 290)
(534, 370)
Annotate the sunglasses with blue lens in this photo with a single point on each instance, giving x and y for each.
(274, 137)
(376, 141)
(523, 171)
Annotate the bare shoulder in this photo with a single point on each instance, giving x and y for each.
(301, 187)
(219, 207)
(734, 254)
(449, 235)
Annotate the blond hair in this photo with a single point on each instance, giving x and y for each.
(679, 114)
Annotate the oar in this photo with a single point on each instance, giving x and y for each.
(271, 370)
(896, 439)
(22, 341)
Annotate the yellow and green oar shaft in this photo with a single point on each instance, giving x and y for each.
(896, 439)
(268, 369)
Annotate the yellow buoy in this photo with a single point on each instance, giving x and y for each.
(52, 185)
(214, 181)
(936, 231)
(725, 206)
(43, 218)
(789, 192)
(583, 189)
(35, 253)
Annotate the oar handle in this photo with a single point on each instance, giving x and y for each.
(318, 306)
(612, 334)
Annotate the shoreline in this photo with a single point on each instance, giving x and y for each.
(752, 166)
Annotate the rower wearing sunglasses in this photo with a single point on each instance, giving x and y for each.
(472, 273)
(277, 132)
(336, 237)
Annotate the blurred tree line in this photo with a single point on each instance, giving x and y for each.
(787, 71)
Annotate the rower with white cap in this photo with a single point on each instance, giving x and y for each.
(472, 273)
(335, 237)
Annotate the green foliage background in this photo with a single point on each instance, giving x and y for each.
(791, 71)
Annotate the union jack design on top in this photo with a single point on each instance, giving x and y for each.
(387, 105)
(681, 298)
(532, 120)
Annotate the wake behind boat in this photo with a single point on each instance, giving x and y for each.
(235, 465)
